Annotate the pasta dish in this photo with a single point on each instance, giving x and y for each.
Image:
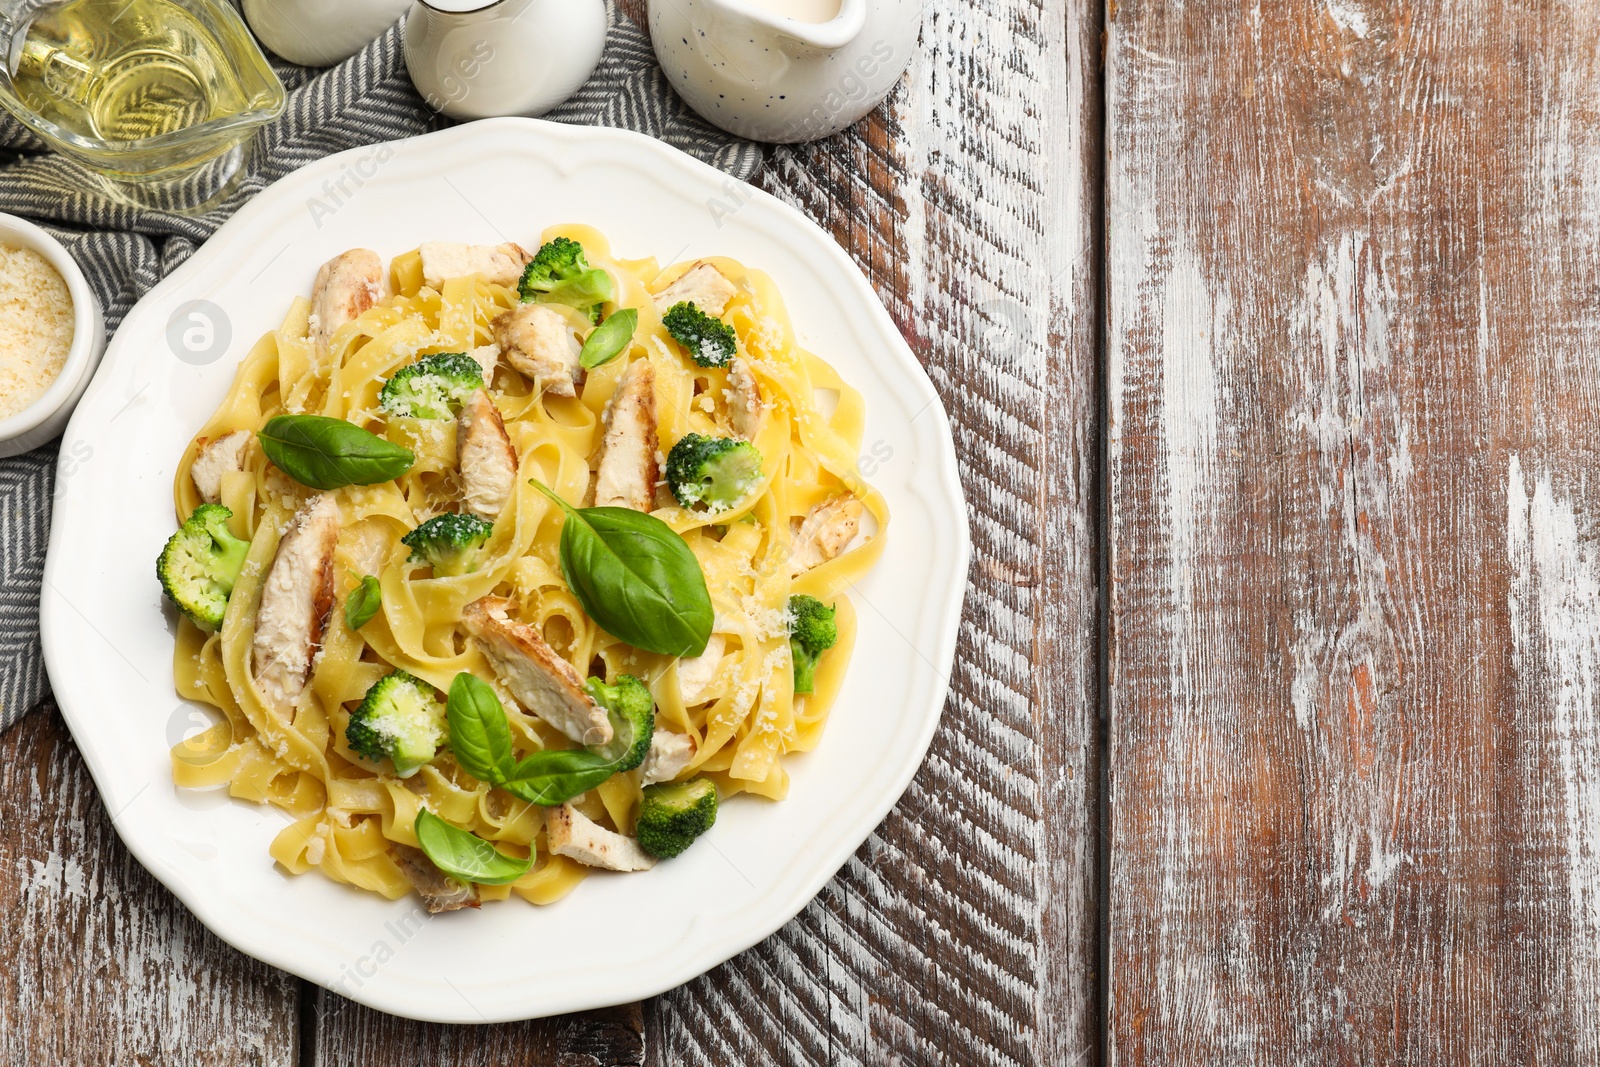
(500, 566)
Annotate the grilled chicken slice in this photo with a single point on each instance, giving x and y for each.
(346, 285)
(827, 529)
(695, 674)
(745, 406)
(488, 462)
(217, 457)
(573, 834)
(295, 602)
(439, 892)
(627, 473)
(542, 681)
(498, 264)
(669, 754)
(542, 345)
(704, 285)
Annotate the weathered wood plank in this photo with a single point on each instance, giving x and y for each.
(963, 931)
(348, 1033)
(98, 963)
(1354, 666)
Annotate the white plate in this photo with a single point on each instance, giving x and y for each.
(618, 938)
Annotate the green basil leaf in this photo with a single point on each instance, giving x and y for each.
(555, 777)
(363, 603)
(479, 734)
(635, 577)
(466, 856)
(329, 453)
(610, 339)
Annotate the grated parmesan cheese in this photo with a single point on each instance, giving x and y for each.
(36, 324)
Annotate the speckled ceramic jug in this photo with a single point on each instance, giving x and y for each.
(768, 77)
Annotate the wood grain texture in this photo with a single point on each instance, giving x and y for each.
(963, 931)
(1356, 650)
(348, 1033)
(98, 963)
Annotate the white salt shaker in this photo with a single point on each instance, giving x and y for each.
(474, 59)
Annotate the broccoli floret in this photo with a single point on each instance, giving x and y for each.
(401, 719)
(200, 563)
(452, 544)
(433, 387)
(715, 471)
(812, 631)
(560, 274)
(586, 292)
(673, 814)
(632, 712)
(556, 262)
(710, 342)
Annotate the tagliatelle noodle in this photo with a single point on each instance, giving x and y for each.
(745, 722)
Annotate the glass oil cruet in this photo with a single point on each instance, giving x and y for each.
(158, 98)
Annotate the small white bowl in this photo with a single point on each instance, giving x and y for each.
(45, 418)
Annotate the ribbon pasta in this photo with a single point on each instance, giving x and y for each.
(745, 721)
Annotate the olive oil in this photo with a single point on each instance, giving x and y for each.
(126, 71)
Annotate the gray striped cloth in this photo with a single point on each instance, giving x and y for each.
(124, 252)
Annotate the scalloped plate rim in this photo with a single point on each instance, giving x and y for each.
(416, 996)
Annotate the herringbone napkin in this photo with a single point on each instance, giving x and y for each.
(367, 99)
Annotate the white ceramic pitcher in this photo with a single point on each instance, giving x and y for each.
(761, 74)
(473, 59)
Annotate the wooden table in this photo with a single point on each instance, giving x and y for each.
(1270, 334)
